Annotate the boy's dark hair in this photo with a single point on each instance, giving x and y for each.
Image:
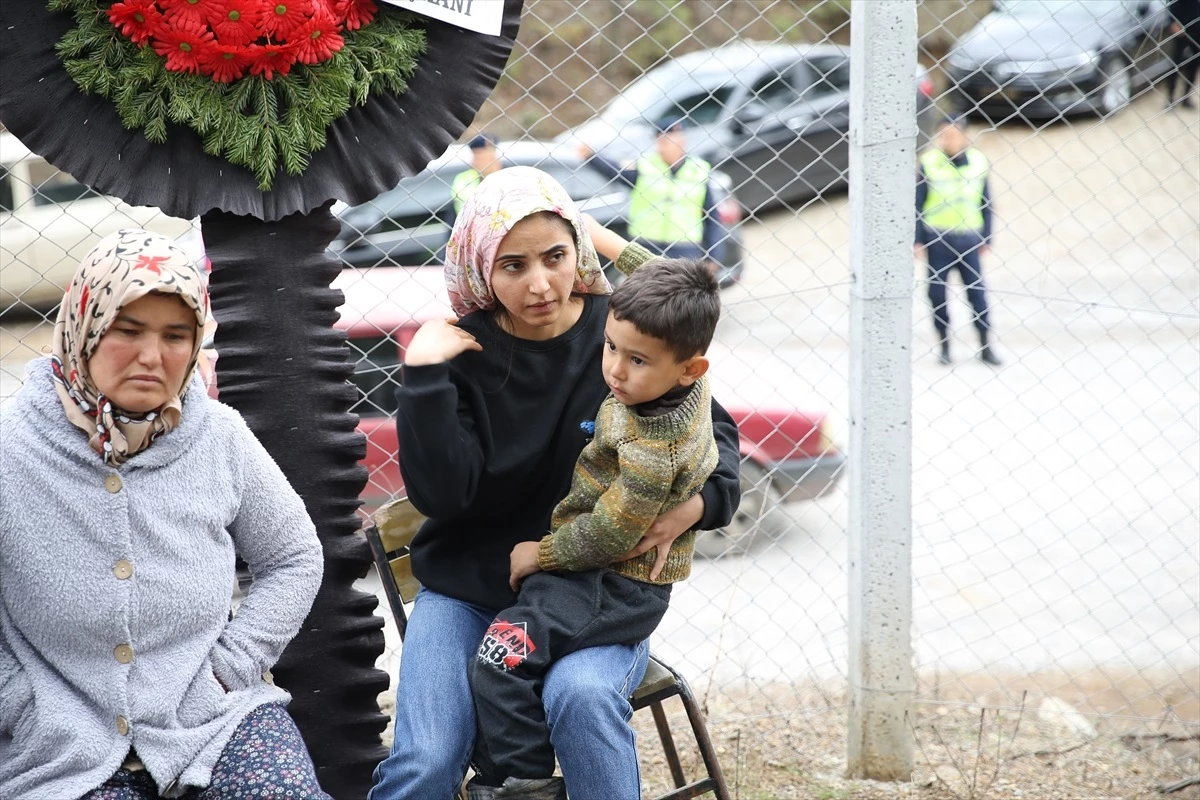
(675, 300)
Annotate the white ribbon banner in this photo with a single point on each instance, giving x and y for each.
(481, 16)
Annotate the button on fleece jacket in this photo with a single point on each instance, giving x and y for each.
(182, 509)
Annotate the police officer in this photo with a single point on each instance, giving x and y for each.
(954, 227)
(671, 208)
(485, 159)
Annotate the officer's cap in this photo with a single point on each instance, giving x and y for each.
(483, 140)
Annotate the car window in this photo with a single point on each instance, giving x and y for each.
(775, 91)
(6, 190)
(701, 108)
(376, 375)
(829, 75)
(421, 195)
(52, 186)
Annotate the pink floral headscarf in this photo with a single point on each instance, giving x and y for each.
(121, 268)
(502, 200)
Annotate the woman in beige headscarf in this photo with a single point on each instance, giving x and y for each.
(125, 495)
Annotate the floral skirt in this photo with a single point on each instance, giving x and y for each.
(264, 759)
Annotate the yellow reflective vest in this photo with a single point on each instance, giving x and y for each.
(464, 185)
(954, 202)
(666, 207)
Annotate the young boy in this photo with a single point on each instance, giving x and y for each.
(653, 449)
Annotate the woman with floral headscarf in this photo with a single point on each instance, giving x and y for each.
(493, 413)
(125, 494)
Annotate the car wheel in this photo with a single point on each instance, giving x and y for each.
(759, 517)
(1117, 87)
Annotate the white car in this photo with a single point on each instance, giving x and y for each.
(49, 221)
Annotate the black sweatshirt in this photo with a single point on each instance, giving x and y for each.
(488, 444)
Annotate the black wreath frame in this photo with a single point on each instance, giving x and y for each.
(368, 150)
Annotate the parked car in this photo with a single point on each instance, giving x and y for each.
(49, 221)
(1043, 59)
(787, 453)
(410, 225)
(774, 117)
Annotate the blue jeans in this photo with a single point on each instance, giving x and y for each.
(586, 696)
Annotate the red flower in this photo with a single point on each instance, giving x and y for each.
(190, 12)
(236, 22)
(152, 263)
(284, 16)
(267, 59)
(318, 39)
(182, 46)
(224, 63)
(356, 13)
(136, 19)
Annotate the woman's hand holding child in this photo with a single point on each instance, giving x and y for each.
(668, 527)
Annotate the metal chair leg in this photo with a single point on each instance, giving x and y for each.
(668, 744)
(700, 730)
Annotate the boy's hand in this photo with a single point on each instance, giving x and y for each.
(522, 562)
(437, 341)
(665, 530)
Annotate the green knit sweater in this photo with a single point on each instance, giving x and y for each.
(633, 470)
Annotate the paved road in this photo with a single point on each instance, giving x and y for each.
(1055, 500)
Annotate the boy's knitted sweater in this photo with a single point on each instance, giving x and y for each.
(636, 468)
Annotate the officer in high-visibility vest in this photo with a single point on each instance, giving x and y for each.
(485, 159)
(954, 228)
(671, 208)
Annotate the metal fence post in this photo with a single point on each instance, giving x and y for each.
(882, 150)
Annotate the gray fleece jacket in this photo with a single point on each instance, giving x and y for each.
(115, 589)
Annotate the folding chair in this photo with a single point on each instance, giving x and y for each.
(392, 530)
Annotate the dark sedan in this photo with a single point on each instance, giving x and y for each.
(1044, 59)
(773, 117)
(410, 225)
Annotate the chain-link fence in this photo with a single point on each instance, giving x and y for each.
(1055, 524)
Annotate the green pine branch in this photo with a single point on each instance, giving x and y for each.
(258, 124)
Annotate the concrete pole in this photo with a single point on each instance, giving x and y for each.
(883, 127)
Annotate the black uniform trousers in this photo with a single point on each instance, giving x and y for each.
(1185, 59)
(556, 614)
(948, 252)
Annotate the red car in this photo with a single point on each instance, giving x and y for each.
(787, 454)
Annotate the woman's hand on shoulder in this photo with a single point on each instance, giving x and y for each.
(438, 341)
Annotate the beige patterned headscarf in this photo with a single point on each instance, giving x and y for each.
(120, 269)
(503, 199)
